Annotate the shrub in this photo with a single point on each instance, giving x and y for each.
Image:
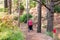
(50, 34)
(8, 31)
(23, 18)
(16, 36)
(9, 34)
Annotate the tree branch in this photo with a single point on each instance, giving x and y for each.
(46, 6)
(43, 4)
(57, 3)
(56, 0)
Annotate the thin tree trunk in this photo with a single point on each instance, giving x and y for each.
(9, 6)
(27, 10)
(19, 12)
(5, 4)
(39, 17)
(50, 17)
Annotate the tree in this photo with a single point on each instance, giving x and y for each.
(5, 4)
(50, 16)
(19, 12)
(39, 17)
(9, 6)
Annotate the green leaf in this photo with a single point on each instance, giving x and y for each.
(57, 9)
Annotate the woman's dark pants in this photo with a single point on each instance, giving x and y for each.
(30, 27)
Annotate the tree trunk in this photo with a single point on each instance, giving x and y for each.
(19, 12)
(5, 4)
(9, 6)
(50, 17)
(39, 17)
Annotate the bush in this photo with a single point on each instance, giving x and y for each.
(50, 34)
(9, 34)
(23, 18)
(8, 31)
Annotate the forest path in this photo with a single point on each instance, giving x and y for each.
(33, 35)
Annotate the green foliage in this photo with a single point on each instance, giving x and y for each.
(57, 9)
(32, 3)
(11, 35)
(3, 9)
(15, 36)
(43, 1)
(21, 6)
(8, 31)
(50, 34)
(23, 18)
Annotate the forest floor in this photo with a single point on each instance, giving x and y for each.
(33, 35)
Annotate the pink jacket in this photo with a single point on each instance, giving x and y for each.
(30, 22)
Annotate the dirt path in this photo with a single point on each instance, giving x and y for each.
(33, 35)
